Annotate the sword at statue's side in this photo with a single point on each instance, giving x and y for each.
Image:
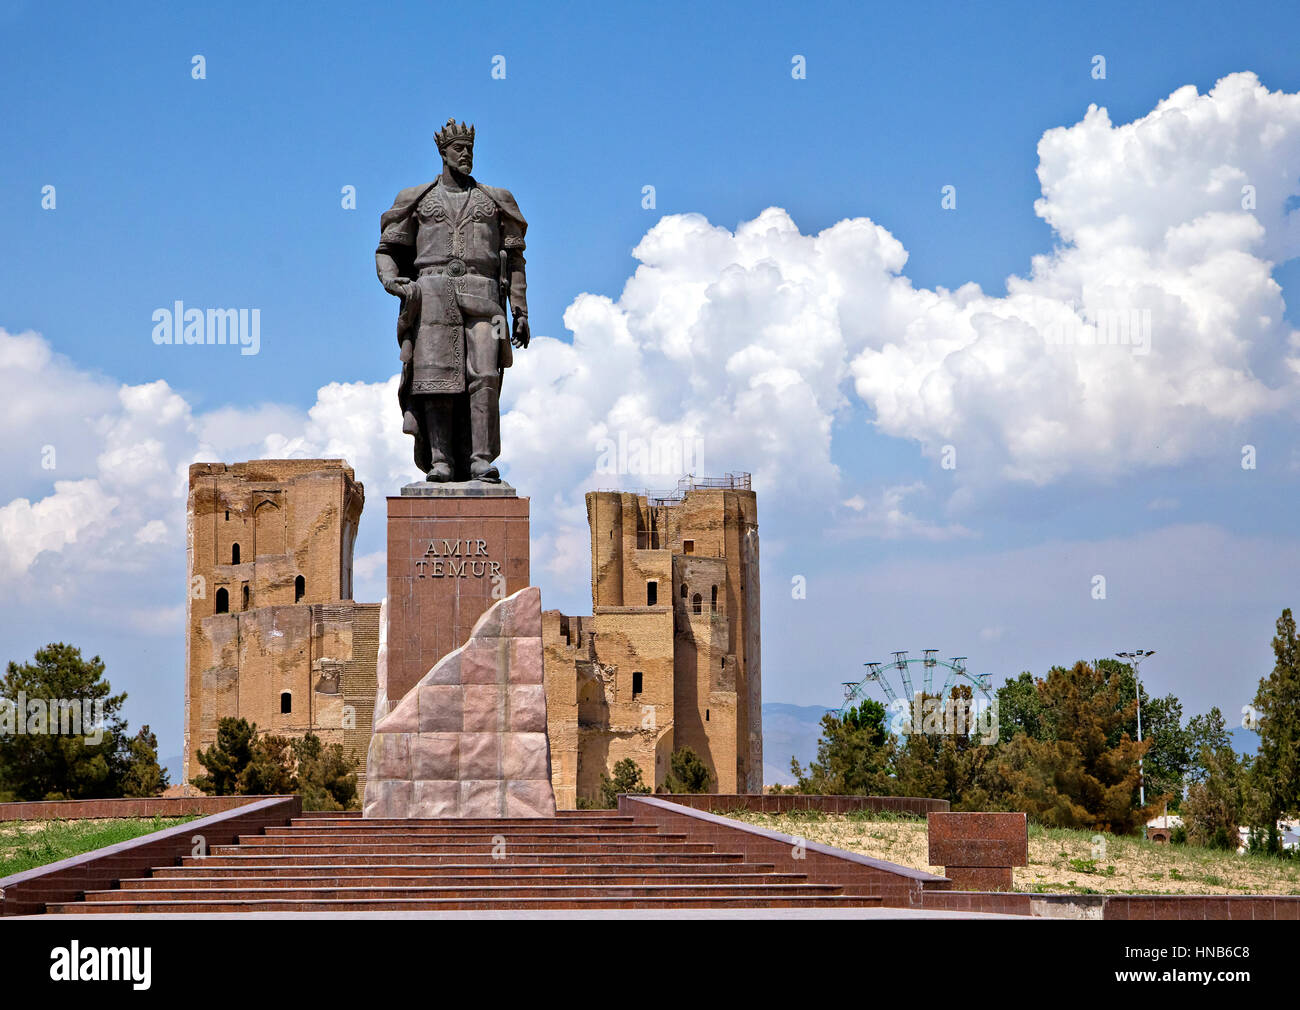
(505, 289)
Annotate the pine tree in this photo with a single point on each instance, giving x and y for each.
(1165, 763)
(225, 761)
(687, 773)
(1276, 774)
(1087, 774)
(44, 761)
(272, 767)
(1216, 778)
(245, 763)
(142, 775)
(327, 777)
(627, 779)
(1206, 734)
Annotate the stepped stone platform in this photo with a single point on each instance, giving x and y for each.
(576, 860)
(652, 857)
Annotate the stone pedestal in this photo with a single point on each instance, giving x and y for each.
(454, 550)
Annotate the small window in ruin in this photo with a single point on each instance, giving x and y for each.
(245, 604)
(688, 546)
(286, 703)
(715, 599)
(706, 715)
(651, 593)
(223, 602)
(636, 683)
(683, 590)
(299, 588)
(697, 603)
(227, 515)
(234, 554)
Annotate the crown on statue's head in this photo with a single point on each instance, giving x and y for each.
(453, 132)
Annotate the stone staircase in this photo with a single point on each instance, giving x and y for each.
(324, 862)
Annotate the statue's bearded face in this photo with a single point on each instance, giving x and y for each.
(459, 155)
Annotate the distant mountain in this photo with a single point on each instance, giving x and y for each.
(789, 731)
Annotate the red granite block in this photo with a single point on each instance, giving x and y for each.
(976, 839)
(979, 878)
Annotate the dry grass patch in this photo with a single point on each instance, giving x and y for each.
(1060, 859)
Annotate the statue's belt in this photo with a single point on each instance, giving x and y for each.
(453, 268)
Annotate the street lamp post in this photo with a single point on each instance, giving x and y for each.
(1137, 656)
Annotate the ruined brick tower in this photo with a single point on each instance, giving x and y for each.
(273, 634)
(670, 654)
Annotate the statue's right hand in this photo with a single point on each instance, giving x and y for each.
(400, 286)
(407, 351)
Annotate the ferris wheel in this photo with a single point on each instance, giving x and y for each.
(895, 679)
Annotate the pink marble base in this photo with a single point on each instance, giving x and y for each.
(469, 739)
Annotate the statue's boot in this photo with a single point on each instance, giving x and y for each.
(438, 417)
(482, 470)
(484, 431)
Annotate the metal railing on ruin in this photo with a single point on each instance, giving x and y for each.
(739, 481)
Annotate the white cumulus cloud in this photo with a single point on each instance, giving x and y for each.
(1151, 223)
(746, 347)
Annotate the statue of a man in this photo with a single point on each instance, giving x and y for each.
(453, 251)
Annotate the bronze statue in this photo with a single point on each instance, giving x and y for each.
(453, 251)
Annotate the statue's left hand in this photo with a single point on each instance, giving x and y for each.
(521, 335)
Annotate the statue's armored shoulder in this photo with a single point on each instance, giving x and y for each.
(404, 204)
(505, 200)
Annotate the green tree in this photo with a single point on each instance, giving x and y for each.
(1020, 710)
(687, 773)
(947, 760)
(1275, 778)
(244, 762)
(627, 779)
(327, 777)
(1166, 761)
(1216, 792)
(272, 767)
(1165, 764)
(224, 762)
(853, 754)
(53, 758)
(1086, 775)
(142, 775)
(1206, 734)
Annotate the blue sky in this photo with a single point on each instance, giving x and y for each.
(226, 191)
